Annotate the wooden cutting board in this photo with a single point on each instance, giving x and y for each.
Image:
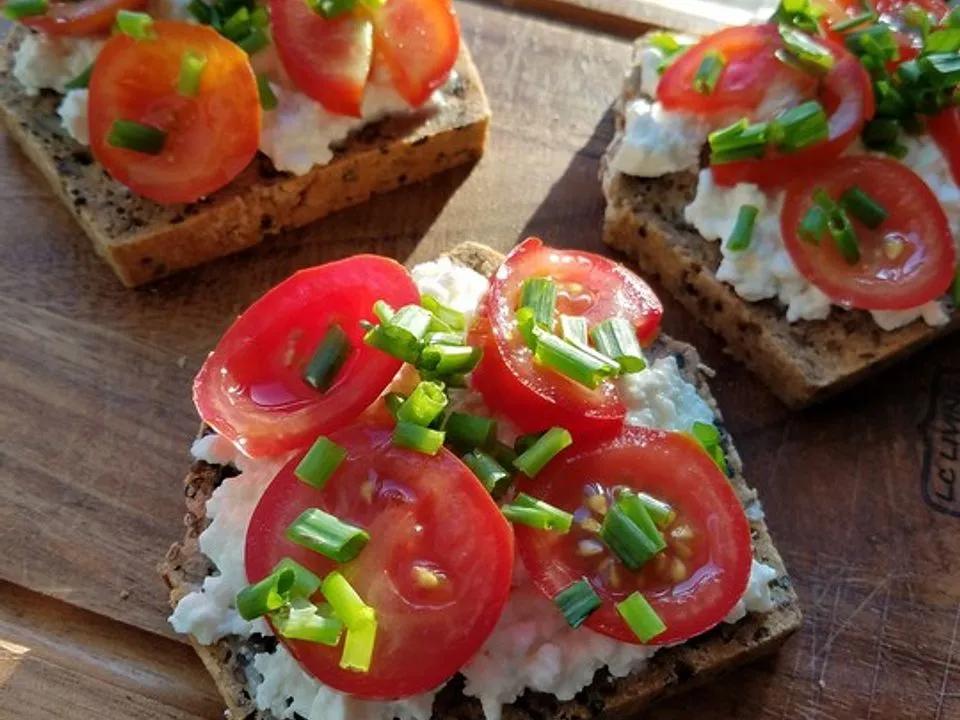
(862, 494)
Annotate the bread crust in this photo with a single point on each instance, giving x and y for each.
(670, 671)
(143, 241)
(801, 362)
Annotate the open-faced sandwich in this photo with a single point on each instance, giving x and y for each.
(795, 184)
(484, 488)
(177, 131)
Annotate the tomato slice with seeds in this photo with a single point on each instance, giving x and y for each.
(424, 514)
(536, 398)
(80, 17)
(251, 387)
(210, 138)
(692, 584)
(907, 261)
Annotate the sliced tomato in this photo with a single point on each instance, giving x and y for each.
(251, 387)
(210, 138)
(418, 40)
(536, 398)
(328, 60)
(891, 12)
(944, 127)
(423, 514)
(694, 583)
(846, 94)
(751, 70)
(80, 17)
(907, 261)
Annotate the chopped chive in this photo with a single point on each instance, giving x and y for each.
(401, 335)
(383, 311)
(813, 225)
(358, 647)
(305, 582)
(742, 233)
(540, 295)
(454, 318)
(575, 329)
(881, 132)
(191, 70)
(889, 100)
(617, 339)
(137, 25)
(201, 12)
(259, 17)
(526, 324)
(393, 401)
(328, 358)
(444, 338)
(530, 511)
(708, 436)
(661, 513)
(416, 437)
(708, 74)
(237, 25)
(303, 621)
(131, 135)
(739, 141)
(863, 207)
(328, 535)
(19, 9)
(263, 597)
(346, 603)
(254, 42)
(268, 98)
(916, 17)
(547, 446)
(844, 236)
(525, 442)
(446, 359)
(953, 17)
(626, 538)
(491, 474)
(854, 22)
(941, 69)
(640, 617)
(424, 405)
(663, 41)
(943, 41)
(332, 8)
(82, 80)
(577, 601)
(636, 509)
(502, 453)
(877, 42)
(581, 364)
(808, 51)
(800, 126)
(320, 462)
(468, 432)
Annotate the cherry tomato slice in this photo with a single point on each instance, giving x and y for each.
(536, 398)
(944, 128)
(328, 60)
(891, 12)
(751, 69)
(694, 583)
(418, 40)
(251, 387)
(846, 94)
(423, 514)
(80, 17)
(907, 261)
(210, 138)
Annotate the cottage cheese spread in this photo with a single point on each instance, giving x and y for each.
(531, 646)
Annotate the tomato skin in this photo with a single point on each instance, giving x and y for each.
(211, 138)
(250, 388)
(920, 273)
(944, 128)
(536, 398)
(80, 17)
(674, 469)
(420, 510)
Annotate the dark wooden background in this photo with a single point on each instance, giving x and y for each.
(96, 421)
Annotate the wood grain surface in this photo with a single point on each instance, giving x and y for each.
(96, 419)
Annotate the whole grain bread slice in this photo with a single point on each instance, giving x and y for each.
(670, 671)
(143, 241)
(801, 362)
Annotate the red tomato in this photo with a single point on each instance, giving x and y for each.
(210, 138)
(846, 94)
(80, 17)
(916, 224)
(909, 39)
(422, 513)
(945, 130)
(251, 389)
(751, 68)
(708, 543)
(536, 398)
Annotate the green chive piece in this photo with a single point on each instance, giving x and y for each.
(137, 25)
(305, 582)
(346, 603)
(617, 339)
(876, 42)
(863, 207)
(268, 99)
(82, 80)
(358, 647)
(424, 405)
(661, 513)
(526, 324)
(237, 25)
(259, 17)
(664, 42)
(416, 437)
(135, 136)
(468, 432)
(953, 18)
(530, 511)
(393, 401)
(742, 234)
(739, 141)
(301, 620)
(502, 453)
(271, 593)
(808, 51)
(201, 12)
(854, 22)
(328, 359)
(454, 318)
(540, 295)
(401, 335)
(492, 474)
(640, 617)
(813, 225)
(19, 9)
(577, 601)
(575, 329)
(444, 338)
(636, 509)
(581, 364)
(254, 42)
(800, 127)
(943, 41)
(320, 462)
(916, 17)
(844, 236)
(799, 13)
(332, 8)
(880, 132)
(708, 436)
(942, 69)
(447, 359)
(525, 442)
(328, 535)
(191, 70)
(626, 531)
(547, 446)
(383, 311)
(708, 74)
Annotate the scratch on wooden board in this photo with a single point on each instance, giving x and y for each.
(942, 695)
(878, 658)
(828, 644)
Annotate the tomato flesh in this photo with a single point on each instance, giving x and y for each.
(251, 388)
(944, 128)
(210, 138)
(422, 513)
(80, 17)
(907, 261)
(536, 398)
(694, 583)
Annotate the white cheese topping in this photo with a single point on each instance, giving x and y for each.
(660, 397)
(73, 115)
(46, 62)
(657, 142)
(453, 285)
